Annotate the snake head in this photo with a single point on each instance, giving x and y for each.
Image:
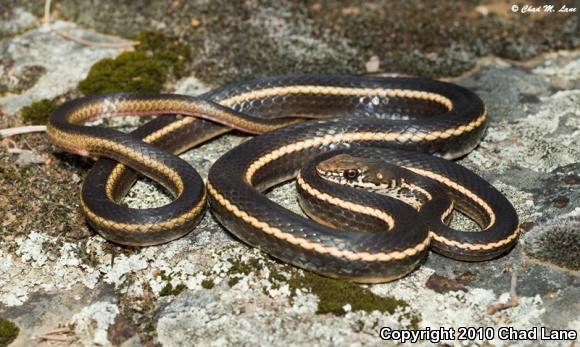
(359, 172)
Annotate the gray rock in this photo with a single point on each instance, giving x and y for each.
(209, 289)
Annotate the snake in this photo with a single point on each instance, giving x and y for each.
(302, 122)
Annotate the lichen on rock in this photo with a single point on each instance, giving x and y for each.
(556, 240)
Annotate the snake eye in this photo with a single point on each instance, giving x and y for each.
(350, 174)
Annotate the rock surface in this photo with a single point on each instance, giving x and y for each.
(265, 37)
(62, 283)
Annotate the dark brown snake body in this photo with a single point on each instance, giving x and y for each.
(376, 117)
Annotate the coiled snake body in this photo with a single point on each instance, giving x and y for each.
(371, 239)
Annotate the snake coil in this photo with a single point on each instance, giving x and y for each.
(376, 117)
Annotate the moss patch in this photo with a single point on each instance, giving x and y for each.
(169, 289)
(333, 294)
(556, 241)
(241, 268)
(232, 281)
(156, 59)
(8, 332)
(38, 112)
(244, 267)
(207, 283)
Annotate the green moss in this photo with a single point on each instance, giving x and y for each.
(241, 268)
(169, 289)
(276, 276)
(244, 267)
(165, 276)
(208, 283)
(8, 332)
(233, 281)
(155, 60)
(168, 52)
(131, 71)
(334, 294)
(279, 276)
(178, 288)
(166, 291)
(38, 112)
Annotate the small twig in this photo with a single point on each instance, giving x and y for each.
(22, 130)
(58, 335)
(47, 13)
(54, 338)
(514, 283)
(58, 331)
(68, 36)
(513, 301)
(16, 150)
(113, 254)
(120, 45)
